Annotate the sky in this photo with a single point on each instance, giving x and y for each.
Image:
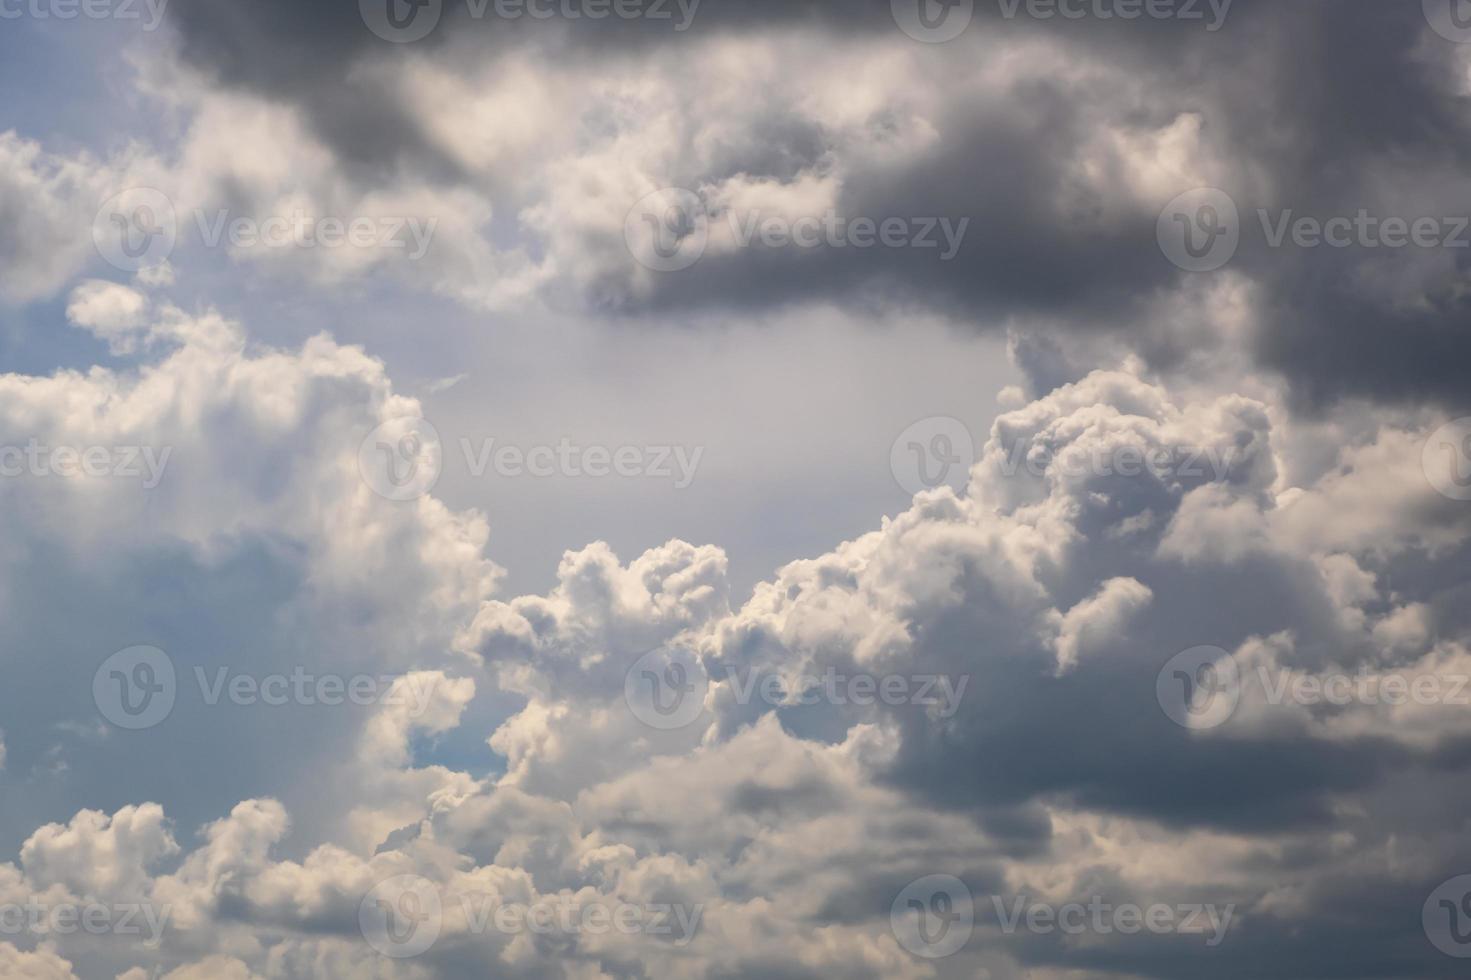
(616, 489)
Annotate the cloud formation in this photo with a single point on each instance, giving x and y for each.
(1172, 683)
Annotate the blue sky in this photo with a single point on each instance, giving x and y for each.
(862, 484)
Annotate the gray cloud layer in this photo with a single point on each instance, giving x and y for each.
(1322, 107)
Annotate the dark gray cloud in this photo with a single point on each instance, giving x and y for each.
(1322, 108)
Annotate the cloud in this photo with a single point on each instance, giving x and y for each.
(40, 965)
(987, 684)
(1059, 143)
(1042, 596)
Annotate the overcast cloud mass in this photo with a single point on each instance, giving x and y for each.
(614, 489)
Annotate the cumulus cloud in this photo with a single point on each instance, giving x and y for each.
(1103, 526)
(1198, 596)
(1084, 132)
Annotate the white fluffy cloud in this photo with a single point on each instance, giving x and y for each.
(995, 655)
(1048, 597)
